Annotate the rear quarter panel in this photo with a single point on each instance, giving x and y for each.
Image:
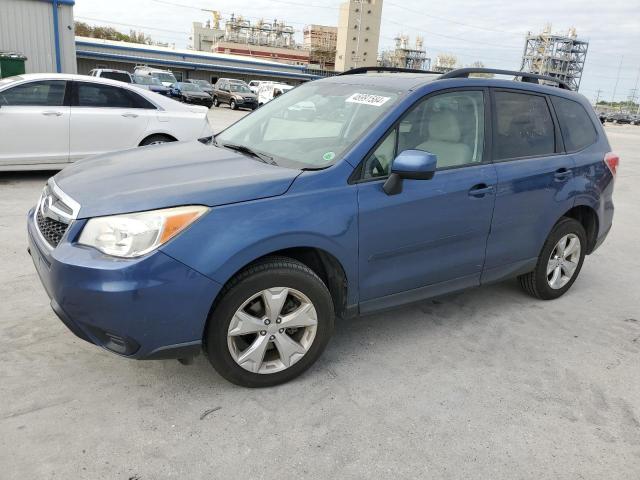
(596, 182)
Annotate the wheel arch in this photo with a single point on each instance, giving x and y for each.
(588, 218)
(160, 134)
(323, 263)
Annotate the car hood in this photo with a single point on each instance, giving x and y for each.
(172, 174)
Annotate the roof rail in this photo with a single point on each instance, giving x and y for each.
(359, 70)
(526, 77)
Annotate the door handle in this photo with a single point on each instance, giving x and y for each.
(480, 190)
(562, 174)
(51, 113)
(130, 115)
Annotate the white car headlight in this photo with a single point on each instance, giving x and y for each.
(134, 234)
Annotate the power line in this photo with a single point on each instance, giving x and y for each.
(444, 19)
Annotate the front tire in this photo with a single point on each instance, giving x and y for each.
(233, 105)
(216, 103)
(559, 263)
(273, 321)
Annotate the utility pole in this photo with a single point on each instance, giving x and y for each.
(617, 80)
(598, 92)
(635, 91)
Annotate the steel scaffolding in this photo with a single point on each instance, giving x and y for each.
(560, 56)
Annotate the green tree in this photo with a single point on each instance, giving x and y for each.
(109, 33)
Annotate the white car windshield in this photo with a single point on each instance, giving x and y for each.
(311, 126)
(146, 80)
(165, 77)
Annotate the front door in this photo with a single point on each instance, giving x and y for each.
(434, 232)
(34, 124)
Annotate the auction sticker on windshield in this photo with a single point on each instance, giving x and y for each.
(368, 99)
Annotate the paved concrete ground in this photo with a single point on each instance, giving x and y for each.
(486, 384)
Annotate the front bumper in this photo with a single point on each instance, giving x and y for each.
(146, 308)
(246, 103)
(200, 101)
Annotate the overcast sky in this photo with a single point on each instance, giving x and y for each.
(491, 31)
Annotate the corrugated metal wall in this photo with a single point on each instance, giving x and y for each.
(26, 26)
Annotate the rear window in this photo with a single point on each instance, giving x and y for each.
(577, 128)
(524, 127)
(120, 76)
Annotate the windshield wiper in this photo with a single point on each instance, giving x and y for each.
(244, 149)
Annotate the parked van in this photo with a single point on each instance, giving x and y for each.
(165, 76)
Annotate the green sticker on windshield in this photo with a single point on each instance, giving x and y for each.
(329, 156)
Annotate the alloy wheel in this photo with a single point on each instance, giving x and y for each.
(272, 330)
(563, 261)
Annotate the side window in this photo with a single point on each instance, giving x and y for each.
(140, 102)
(524, 127)
(378, 163)
(107, 96)
(47, 93)
(450, 125)
(577, 128)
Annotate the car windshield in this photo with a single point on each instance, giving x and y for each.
(145, 80)
(165, 77)
(189, 87)
(313, 125)
(238, 87)
(201, 83)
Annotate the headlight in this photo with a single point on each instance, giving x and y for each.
(134, 234)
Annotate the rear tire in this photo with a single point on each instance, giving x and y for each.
(559, 263)
(156, 140)
(272, 293)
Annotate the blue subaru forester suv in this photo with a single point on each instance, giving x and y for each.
(345, 196)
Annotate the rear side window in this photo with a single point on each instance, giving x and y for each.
(523, 126)
(577, 128)
(47, 93)
(107, 96)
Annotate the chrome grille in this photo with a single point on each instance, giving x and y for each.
(54, 213)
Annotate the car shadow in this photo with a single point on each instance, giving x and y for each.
(385, 331)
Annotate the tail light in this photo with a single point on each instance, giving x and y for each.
(612, 161)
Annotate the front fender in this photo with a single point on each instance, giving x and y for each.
(230, 237)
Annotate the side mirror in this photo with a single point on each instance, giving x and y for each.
(410, 164)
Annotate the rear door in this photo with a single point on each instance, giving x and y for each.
(106, 118)
(34, 123)
(534, 177)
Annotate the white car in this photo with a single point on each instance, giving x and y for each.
(49, 120)
(254, 85)
(269, 91)
(166, 77)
